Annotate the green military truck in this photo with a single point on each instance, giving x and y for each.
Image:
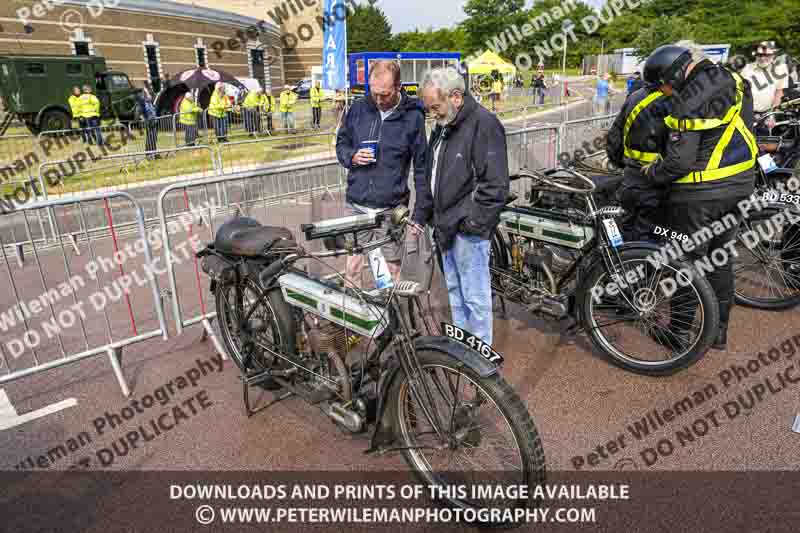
(36, 89)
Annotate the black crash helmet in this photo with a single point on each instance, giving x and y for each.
(667, 65)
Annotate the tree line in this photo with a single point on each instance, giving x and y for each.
(740, 23)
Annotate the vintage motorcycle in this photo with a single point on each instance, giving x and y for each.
(767, 267)
(561, 256)
(442, 404)
(783, 126)
(767, 262)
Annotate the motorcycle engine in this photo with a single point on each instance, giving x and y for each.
(561, 258)
(529, 256)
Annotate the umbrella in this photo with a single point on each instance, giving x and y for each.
(199, 78)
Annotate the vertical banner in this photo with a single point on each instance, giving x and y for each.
(334, 51)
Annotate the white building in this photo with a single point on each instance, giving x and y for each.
(625, 60)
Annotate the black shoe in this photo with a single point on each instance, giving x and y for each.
(722, 338)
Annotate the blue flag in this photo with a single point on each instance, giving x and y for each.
(334, 50)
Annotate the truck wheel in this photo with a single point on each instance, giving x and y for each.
(32, 127)
(55, 120)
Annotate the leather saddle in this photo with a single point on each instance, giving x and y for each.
(246, 237)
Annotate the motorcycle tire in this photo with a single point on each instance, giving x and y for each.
(692, 351)
(496, 393)
(278, 318)
(773, 285)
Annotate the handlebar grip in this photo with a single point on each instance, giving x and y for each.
(270, 271)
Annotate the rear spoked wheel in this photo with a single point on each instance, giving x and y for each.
(767, 268)
(270, 324)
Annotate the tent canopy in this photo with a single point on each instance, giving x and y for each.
(489, 62)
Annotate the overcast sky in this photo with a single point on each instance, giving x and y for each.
(405, 15)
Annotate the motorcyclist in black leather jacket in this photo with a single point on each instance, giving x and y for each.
(708, 161)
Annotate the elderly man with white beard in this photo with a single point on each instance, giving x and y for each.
(467, 168)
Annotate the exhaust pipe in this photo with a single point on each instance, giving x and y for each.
(351, 420)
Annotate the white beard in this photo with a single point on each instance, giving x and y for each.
(451, 115)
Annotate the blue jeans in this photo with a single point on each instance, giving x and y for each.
(602, 105)
(288, 119)
(466, 272)
(221, 128)
(94, 125)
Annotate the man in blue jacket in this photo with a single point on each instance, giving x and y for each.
(381, 136)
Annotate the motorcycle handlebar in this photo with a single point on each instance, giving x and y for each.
(276, 267)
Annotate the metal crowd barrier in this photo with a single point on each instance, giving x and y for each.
(532, 148)
(138, 172)
(18, 155)
(584, 136)
(283, 197)
(134, 172)
(65, 307)
(240, 124)
(153, 134)
(65, 144)
(252, 154)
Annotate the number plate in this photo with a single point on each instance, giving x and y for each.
(613, 232)
(767, 163)
(780, 197)
(383, 278)
(471, 341)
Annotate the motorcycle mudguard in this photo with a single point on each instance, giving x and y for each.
(632, 245)
(595, 257)
(382, 434)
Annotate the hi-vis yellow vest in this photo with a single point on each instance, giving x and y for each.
(288, 99)
(252, 100)
(316, 97)
(90, 106)
(75, 106)
(732, 121)
(218, 105)
(643, 157)
(189, 110)
(267, 103)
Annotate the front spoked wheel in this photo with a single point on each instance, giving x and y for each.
(488, 436)
(654, 321)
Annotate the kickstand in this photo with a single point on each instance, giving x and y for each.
(249, 381)
(573, 328)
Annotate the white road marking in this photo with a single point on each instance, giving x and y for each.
(9, 417)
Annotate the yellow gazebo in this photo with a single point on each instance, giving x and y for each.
(489, 62)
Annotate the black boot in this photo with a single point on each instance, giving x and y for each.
(722, 337)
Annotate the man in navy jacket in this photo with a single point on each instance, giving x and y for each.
(379, 179)
(468, 167)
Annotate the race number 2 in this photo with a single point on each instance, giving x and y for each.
(467, 339)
